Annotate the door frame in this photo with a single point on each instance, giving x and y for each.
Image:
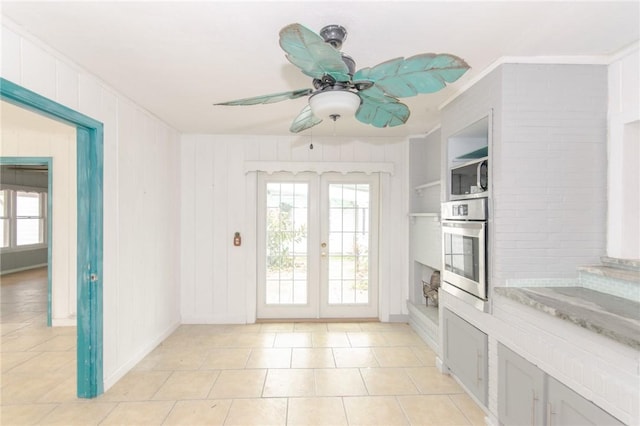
(89, 277)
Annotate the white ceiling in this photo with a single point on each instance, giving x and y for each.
(178, 58)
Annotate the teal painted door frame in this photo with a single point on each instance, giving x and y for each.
(41, 161)
(90, 233)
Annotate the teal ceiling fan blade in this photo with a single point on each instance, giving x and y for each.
(304, 120)
(383, 111)
(269, 99)
(309, 52)
(425, 73)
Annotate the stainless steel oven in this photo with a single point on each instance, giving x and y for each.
(464, 250)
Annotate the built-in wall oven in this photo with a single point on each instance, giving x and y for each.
(464, 250)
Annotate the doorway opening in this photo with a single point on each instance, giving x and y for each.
(26, 214)
(89, 146)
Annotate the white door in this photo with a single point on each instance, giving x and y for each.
(317, 246)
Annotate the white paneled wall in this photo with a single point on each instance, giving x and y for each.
(26, 134)
(141, 199)
(218, 280)
(623, 220)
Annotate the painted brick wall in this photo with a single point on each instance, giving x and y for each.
(218, 281)
(547, 217)
(547, 150)
(549, 171)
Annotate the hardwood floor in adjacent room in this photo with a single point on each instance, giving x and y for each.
(295, 373)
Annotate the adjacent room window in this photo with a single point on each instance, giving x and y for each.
(23, 218)
(5, 234)
(30, 218)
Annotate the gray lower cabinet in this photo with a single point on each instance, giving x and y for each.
(521, 387)
(528, 396)
(566, 407)
(465, 354)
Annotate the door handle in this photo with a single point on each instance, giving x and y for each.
(323, 251)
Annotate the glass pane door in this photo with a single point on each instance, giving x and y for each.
(348, 249)
(287, 236)
(287, 271)
(316, 245)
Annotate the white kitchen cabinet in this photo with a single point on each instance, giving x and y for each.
(528, 396)
(465, 354)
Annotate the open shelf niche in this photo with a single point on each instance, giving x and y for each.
(425, 231)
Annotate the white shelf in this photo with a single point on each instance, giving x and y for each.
(424, 186)
(434, 215)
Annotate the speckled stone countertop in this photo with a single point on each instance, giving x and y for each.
(607, 315)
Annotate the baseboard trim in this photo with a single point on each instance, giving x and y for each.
(64, 322)
(24, 268)
(318, 320)
(399, 318)
(124, 369)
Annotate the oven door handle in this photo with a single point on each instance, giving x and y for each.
(467, 229)
(481, 185)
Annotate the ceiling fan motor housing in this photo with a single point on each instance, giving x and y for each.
(334, 35)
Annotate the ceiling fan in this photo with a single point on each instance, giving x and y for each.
(369, 93)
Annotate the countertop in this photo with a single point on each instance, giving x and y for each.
(607, 315)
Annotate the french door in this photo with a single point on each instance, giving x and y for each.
(317, 245)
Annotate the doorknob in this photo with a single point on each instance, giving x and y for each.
(323, 252)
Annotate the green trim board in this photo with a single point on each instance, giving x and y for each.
(478, 153)
(41, 161)
(90, 153)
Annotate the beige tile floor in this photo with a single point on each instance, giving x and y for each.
(272, 373)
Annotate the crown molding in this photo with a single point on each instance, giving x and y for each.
(546, 60)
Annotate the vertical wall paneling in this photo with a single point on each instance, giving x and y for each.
(250, 250)
(204, 228)
(232, 270)
(137, 314)
(109, 117)
(66, 85)
(221, 235)
(187, 225)
(38, 70)
(11, 62)
(236, 211)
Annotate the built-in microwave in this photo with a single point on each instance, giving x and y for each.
(469, 180)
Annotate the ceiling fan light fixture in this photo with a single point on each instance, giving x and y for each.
(334, 103)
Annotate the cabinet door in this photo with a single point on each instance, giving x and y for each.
(465, 354)
(520, 390)
(566, 407)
